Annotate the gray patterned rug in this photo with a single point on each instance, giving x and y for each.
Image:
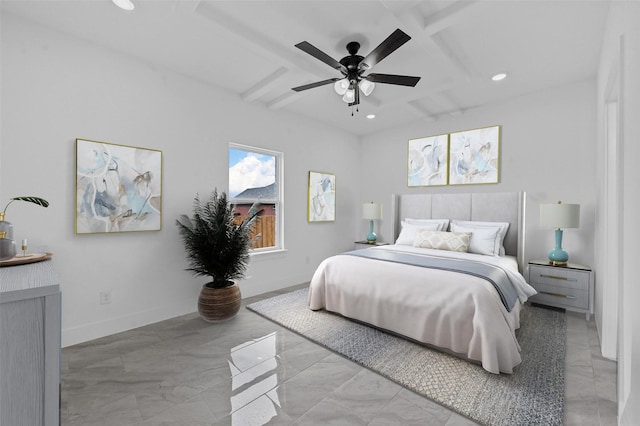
(532, 395)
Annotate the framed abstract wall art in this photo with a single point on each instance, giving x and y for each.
(321, 197)
(118, 188)
(474, 156)
(427, 161)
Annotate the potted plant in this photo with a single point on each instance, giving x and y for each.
(217, 245)
(7, 245)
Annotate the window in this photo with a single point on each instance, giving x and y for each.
(255, 176)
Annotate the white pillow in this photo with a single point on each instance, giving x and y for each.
(409, 231)
(483, 240)
(443, 224)
(502, 226)
(439, 240)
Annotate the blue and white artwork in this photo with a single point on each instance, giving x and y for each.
(427, 161)
(118, 188)
(474, 156)
(322, 197)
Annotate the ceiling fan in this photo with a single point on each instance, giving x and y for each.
(354, 66)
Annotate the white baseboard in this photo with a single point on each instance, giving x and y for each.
(95, 330)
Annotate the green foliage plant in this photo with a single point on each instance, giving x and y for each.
(35, 200)
(216, 246)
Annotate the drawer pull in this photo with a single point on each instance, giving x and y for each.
(555, 277)
(559, 295)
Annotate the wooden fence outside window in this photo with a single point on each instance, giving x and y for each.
(266, 226)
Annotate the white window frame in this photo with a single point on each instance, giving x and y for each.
(279, 201)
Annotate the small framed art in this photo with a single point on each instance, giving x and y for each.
(474, 156)
(118, 188)
(427, 161)
(321, 197)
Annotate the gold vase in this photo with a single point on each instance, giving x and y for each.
(7, 245)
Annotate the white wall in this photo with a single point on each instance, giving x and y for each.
(547, 149)
(622, 41)
(57, 88)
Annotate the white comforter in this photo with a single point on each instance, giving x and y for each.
(455, 311)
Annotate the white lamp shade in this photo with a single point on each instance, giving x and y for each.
(371, 211)
(349, 96)
(366, 86)
(341, 86)
(124, 4)
(560, 215)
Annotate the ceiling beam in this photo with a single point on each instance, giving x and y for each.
(264, 86)
(449, 101)
(257, 42)
(463, 67)
(413, 21)
(419, 112)
(284, 99)
(181, 5)
(450, 15)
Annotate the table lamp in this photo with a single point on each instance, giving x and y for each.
(372, 212)
(559, 216)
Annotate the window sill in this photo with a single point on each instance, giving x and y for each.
(268, 254)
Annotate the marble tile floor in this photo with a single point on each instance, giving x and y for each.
(250, 371)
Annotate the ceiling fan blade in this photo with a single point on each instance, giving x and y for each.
(394, 41)
(319, 54)
(401, 80)
(316, 84)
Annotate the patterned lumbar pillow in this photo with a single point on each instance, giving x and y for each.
(451, 241)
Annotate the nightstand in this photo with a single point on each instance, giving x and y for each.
(569, 287)
(365, 244)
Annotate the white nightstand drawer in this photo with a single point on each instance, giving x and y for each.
(569, 287)
(558, 277)
(565, 297)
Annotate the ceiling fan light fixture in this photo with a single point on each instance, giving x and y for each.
(366, 86)
(349, 96)
(341, 86)
(352, 66)
(124, 4)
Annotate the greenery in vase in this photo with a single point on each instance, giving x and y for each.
(216, 245)
(35, 200)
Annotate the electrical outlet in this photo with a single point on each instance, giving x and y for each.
(105, 297)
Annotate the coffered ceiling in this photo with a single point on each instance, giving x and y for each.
(247, 47)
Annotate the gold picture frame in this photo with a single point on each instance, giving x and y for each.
(321, 197)
(428, 161)
(474, 156)
(118, 188)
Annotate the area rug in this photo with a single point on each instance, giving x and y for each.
(532, 395)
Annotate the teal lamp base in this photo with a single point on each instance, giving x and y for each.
(557, 256)
(371, 237)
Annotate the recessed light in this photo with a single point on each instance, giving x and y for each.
(371, 116)
(499, 77)
(124, 4)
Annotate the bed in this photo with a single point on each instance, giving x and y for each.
(465, 303)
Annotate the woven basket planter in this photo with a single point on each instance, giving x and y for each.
(219, 304)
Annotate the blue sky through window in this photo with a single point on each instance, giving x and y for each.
(249, 169)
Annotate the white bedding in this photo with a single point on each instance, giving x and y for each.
(451, 310)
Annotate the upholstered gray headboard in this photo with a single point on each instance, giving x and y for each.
(488, 207)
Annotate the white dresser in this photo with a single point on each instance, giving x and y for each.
(569, 287)
(29, 345)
